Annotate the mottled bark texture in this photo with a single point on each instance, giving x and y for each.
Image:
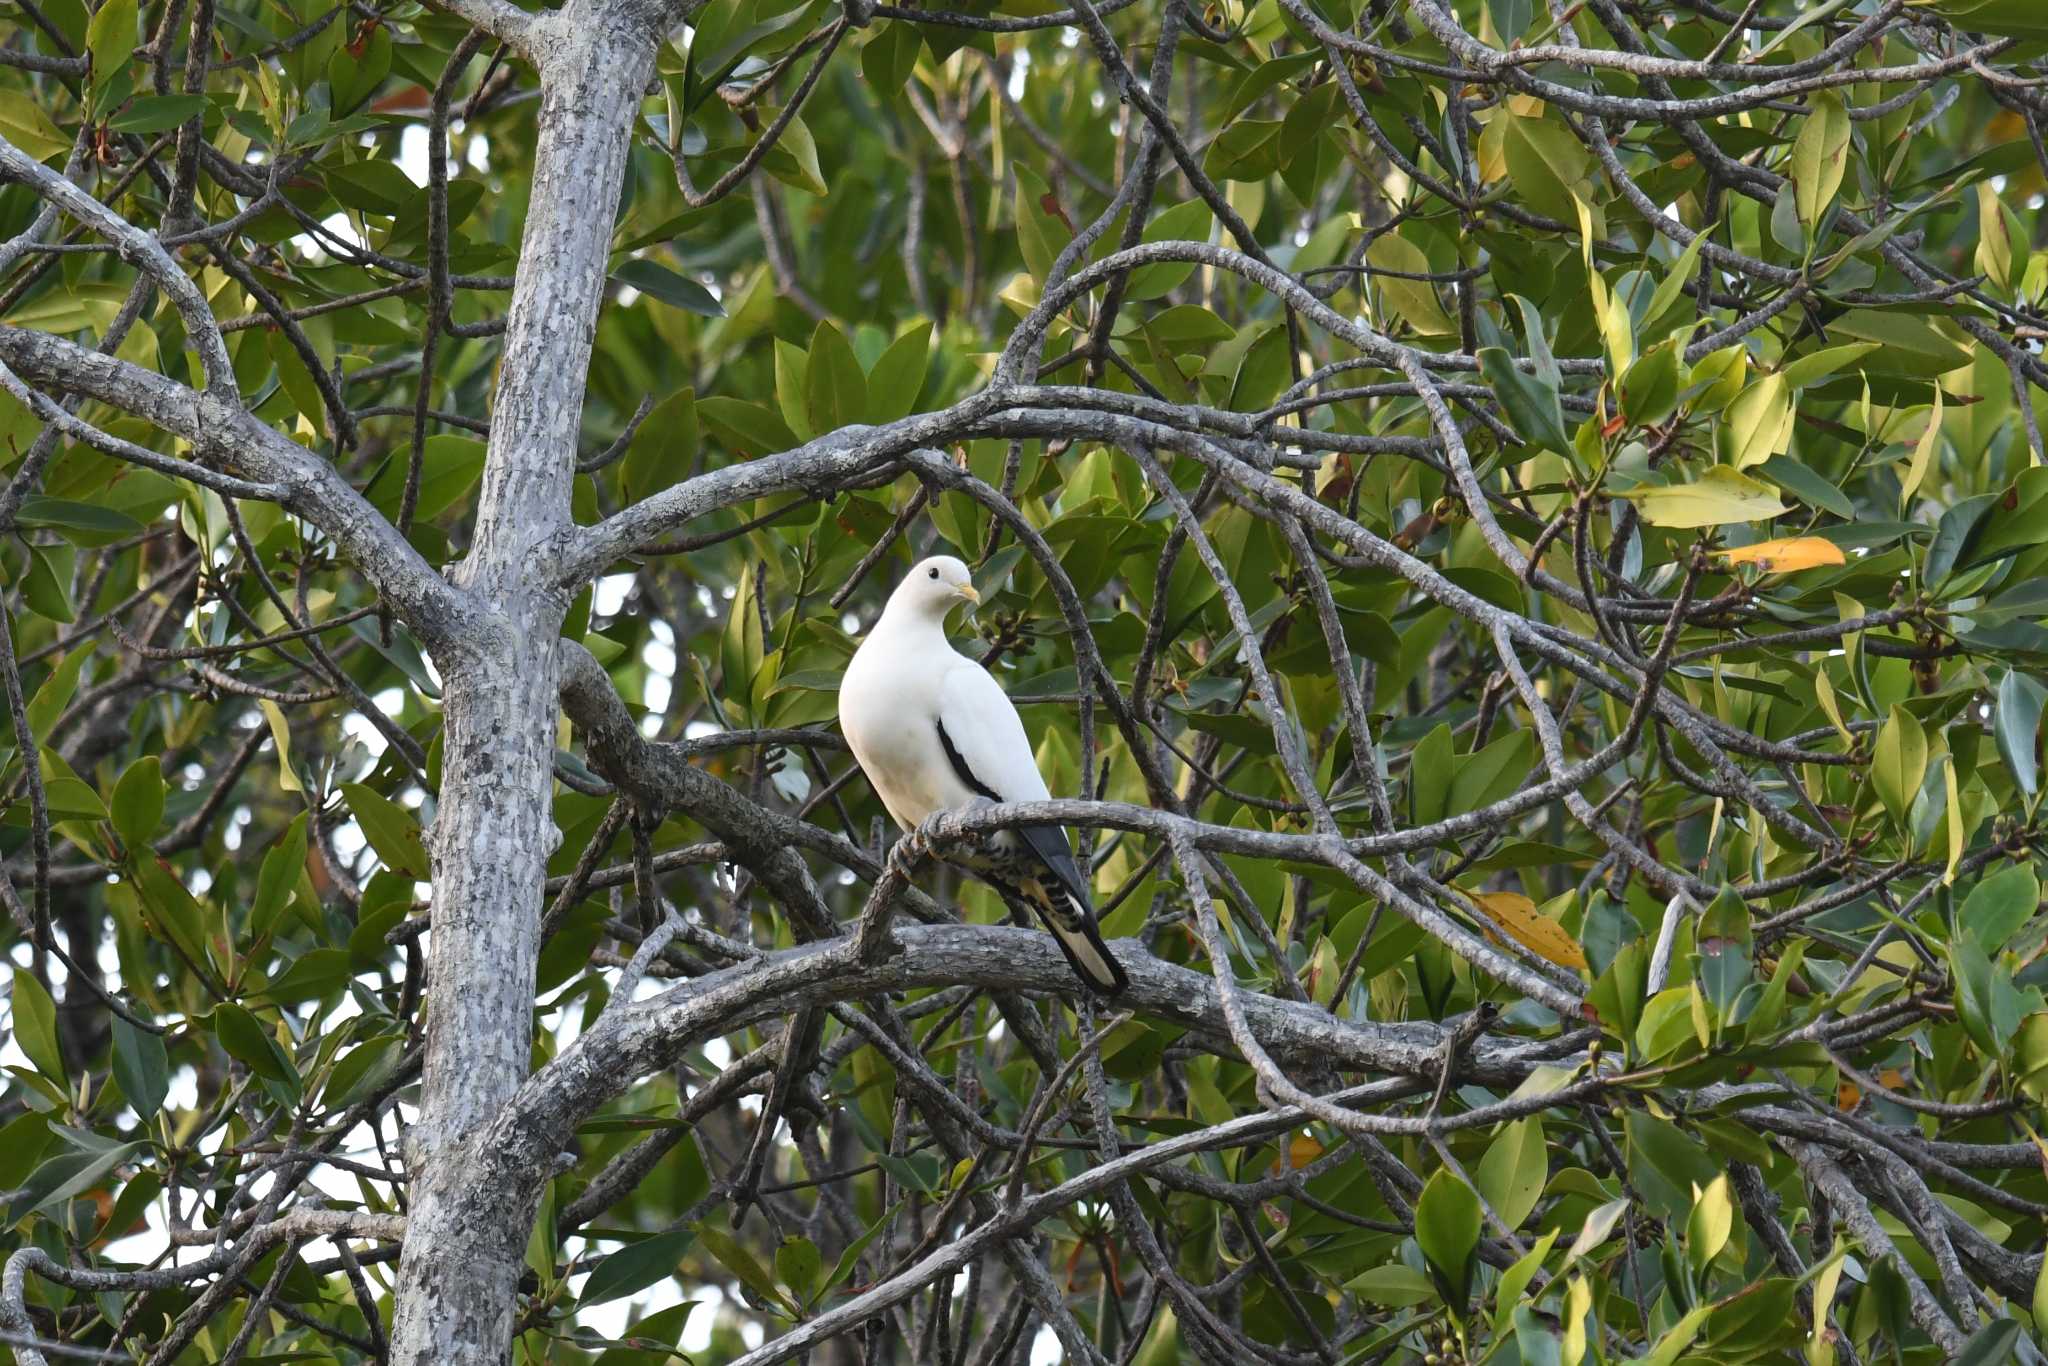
(492, 831)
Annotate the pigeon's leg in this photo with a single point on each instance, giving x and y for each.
(976, 839)
(916, 846)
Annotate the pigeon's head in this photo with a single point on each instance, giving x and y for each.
(934, 588)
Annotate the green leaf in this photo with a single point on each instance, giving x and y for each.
(2040, 1305)
(794, 158)
(657, 281)
(1998, 238)
(83, 524)
(2016, 721)
(450, 466)
(23, 123)
(68, 1174)
(1447, 1223)
(138, 805)
(35, 1025)
(313, 974)
(47, 587)
(889, 57)
(1514, 1281)
(1807, 486)
(1820, 155)
(1923, 453)
(1599, 1224)
(142, 1066)
(358, 69)
(1042, 230)
(362, 1070)
(1430, 769)
(1512, 1173)
(849, 1260)
(111, 41)
(283, 863)
(1393, 1284)
(1649, 390)
(372, 186)
(1898, 761)
(1990, 1345)
(835, 387)
(391, 830)
(1673, 284)
(898, 376)
(1815, 366)
(1909, 344)
(745, 643)
(741, 1263)
(1188, 221)
(244, 1038)
(1671, 1347)
(636, 1266)
(663, 450)
(1548, 166)
(1133, 1049)
(797, 1263)
(1998, 906)
(169, 910)
(1531, 401)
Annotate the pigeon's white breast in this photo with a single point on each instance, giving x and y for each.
(889, 714)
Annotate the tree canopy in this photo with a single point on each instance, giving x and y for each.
(1518, 531)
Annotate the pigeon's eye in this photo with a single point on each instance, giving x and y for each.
(935, 571)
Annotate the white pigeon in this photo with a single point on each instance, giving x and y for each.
(935, 732)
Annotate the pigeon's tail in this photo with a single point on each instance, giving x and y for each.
(1035, 866)
(1061, 901)
(1073, 928)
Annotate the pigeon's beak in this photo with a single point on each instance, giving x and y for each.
(966, 590)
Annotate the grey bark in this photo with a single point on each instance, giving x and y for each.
(492, 831)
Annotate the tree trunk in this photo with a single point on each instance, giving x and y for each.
(492, 830)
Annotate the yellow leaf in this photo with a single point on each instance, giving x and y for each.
(282, 734)
(1824, 693)
(1719, 496)
(1955, 824)
(1578, 1304)
(1518, 917)
(1923, 453)
(1994, 239)
(1404, 298)
(1789, 555)
(1759, 421)
(1820, 1348)
(1820, 156)
(1493, 157)
(1301, 1150)
(1713, 1217)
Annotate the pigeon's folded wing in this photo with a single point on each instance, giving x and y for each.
(984, 737)
(985, 743)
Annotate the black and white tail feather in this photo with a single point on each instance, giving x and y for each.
(1042, 874)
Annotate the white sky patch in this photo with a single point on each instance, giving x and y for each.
(412, 153)
(608, 596)
(659, 655)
